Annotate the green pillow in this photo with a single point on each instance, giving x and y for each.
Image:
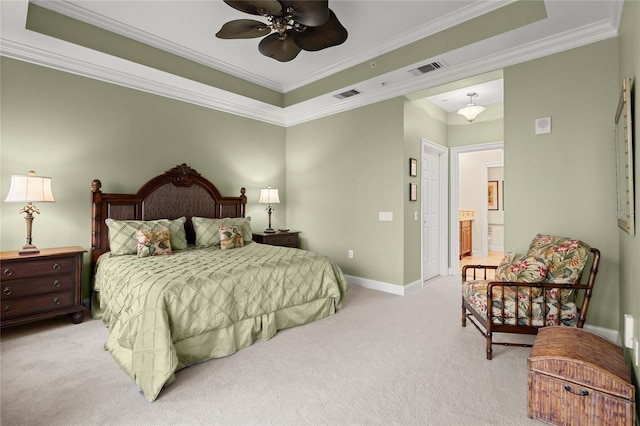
(122, 234)
(208, 230)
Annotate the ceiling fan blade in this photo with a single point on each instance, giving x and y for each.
(257, 7)
(311, 13)
(243, 28)
(332, 33)
(280, 50)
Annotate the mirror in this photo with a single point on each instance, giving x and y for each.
(624, 161)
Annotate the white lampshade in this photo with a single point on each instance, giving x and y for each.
(471, 111)
(269, 196)
(28, 189)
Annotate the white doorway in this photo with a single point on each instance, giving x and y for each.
(493, 221)
(434, 209)
(454, 192)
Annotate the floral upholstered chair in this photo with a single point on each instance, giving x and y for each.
(532, 290)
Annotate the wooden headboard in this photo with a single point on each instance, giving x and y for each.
(178, 192)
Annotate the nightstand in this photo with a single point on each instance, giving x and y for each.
(284, 239)
(42, 285)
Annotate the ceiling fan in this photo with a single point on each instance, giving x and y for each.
(292, 26)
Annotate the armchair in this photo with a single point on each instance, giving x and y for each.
(530, 291)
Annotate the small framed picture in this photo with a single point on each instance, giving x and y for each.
(492, 195)
(413, 192)
(413, 167)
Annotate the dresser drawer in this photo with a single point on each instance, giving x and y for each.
(12, 289)
(283, 239)
(287, 240)
(36, 304)
(13, 270)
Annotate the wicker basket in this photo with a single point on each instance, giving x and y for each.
(579, 378)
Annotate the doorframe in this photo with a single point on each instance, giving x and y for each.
(443, 205)
(485, 202)
(454, 242)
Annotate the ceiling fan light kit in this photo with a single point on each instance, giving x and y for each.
(292, 26)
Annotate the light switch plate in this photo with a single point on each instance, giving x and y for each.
(385, 216)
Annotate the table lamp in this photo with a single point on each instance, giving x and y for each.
(30, 189)
(269, 196)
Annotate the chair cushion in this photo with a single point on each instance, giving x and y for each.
(474, 294)
(521, 268)
(566, 257)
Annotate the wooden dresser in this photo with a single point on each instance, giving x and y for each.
(579, 378)
(40, 286)
(284, 239)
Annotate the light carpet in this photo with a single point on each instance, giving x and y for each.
(382, 359)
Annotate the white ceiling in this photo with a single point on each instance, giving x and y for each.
(375, 27)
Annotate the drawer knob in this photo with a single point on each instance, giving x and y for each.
(56, 266)
(581, 393)
(56, 300)
(7, 272)
(7, 309)
(7, 290)
(56, 283)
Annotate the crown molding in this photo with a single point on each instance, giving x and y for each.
(19, 43)
(147, 80)
(84, 15)
(473, 10)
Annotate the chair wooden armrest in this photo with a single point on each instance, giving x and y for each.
(476, 269)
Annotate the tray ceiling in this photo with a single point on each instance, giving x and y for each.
(387, 41)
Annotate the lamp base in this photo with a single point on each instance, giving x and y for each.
(269, 231)
(29, 249)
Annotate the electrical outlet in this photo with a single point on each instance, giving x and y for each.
(350, 254)
(628, 331)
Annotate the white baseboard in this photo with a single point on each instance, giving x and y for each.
(385, 287)
(496, 248)
(607, 333)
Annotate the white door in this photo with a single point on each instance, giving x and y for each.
(430, 215)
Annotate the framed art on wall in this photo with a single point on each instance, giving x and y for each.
(413, 192)
(492, 195)
(624, 161)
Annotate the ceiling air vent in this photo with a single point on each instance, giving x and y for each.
(347, 94)
(427, 68)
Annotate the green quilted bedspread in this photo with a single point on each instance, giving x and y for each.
(167, 312)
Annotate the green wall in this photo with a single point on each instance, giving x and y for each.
(75, 129)
(563, 183)
(341, 171)
(426, 121)
(629, 246)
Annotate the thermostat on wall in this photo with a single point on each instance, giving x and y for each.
(543, 125)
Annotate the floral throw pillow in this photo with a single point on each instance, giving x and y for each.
(153, 242)
(208, 234)
(521, 268)
(230, 237)
(566, 257)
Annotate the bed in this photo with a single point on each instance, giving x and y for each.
(177, 279)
